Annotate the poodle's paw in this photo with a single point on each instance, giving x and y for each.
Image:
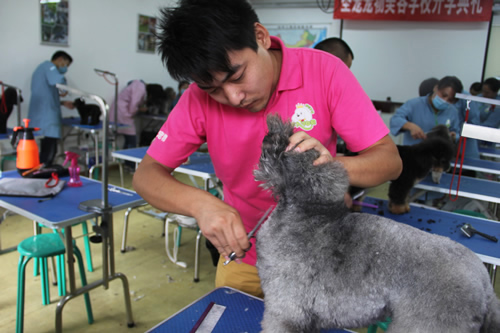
(399, 209)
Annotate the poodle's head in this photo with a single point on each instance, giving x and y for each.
(291, 175)
(79, 102)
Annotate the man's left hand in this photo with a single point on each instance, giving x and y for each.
(305, 142)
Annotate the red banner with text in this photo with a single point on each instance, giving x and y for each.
(414, 10)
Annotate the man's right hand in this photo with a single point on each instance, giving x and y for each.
(221, 224)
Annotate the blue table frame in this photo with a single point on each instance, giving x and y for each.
(480, 165)
(199, 165)
(470, 187)
(61, 212)
(489, 152)
(243, 313)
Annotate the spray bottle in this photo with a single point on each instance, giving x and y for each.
(27, 149)
(74, 169)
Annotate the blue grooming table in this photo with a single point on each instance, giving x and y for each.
(199, 165)
(472, 188)
(446, 224)
(61, 212)
(243, 313)
(480, 165)
(489, 152)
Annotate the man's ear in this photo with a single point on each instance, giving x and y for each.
(262, 36)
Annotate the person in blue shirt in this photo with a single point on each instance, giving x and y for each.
(419, 115)
(45, 104)
(489, 114)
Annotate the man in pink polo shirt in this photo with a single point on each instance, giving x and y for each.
(241, 75)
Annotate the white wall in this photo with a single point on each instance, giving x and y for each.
(391, 58)
(493, 62)
(102, 34)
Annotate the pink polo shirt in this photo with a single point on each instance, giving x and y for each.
(315, 90)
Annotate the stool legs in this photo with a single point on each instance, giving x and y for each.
(88, 253)
(78, 254)
(44, 280)
(21, 284)
(21, 275)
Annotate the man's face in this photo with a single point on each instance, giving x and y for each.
(487, 92)
(252, 82)
(447, 93)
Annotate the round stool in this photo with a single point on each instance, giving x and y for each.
(40, 247)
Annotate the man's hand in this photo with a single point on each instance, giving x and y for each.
(222, 226)
(302, 142)
(68, 104)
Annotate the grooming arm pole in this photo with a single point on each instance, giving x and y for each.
(101, 206)
(115, 118)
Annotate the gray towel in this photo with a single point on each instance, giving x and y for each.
(28, 187)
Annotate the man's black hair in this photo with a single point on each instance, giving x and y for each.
(195, 37)
(337, 47)
(493, 83)
(451, 81)
(427, 86)
(61, 54)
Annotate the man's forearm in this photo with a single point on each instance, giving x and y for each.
(373, 166)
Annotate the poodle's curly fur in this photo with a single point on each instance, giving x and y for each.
(322, 266)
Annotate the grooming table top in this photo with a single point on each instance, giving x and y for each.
(446, 224)
(243, 313)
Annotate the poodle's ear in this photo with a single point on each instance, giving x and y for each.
(273, 146)
(278, 135)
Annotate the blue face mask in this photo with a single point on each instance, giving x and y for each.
(62, 70)
(439, 103)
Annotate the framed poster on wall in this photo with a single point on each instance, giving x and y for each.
(146, 34)
(299, 35)
(54, 20)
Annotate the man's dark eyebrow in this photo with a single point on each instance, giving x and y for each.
(231, 72)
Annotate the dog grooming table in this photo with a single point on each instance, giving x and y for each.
(489, 152)
(473, 188)
(242, 313)
(480, 165)
(447, 224)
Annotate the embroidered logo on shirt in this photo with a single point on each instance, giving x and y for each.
(303, 117)
(448, 123)
(162, 136)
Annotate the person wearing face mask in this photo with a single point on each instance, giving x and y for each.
(183, 85)
(419, 115)
(45, 103)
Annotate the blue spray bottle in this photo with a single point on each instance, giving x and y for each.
(74, 169)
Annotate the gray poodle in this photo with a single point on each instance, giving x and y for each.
(322, 266)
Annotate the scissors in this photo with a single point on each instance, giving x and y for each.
(52, 181)
(250, 235)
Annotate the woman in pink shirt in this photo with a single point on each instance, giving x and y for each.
(130, 100)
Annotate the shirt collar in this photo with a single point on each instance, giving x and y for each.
(291, 72)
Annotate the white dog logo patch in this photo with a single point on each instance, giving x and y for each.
(303, 117)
